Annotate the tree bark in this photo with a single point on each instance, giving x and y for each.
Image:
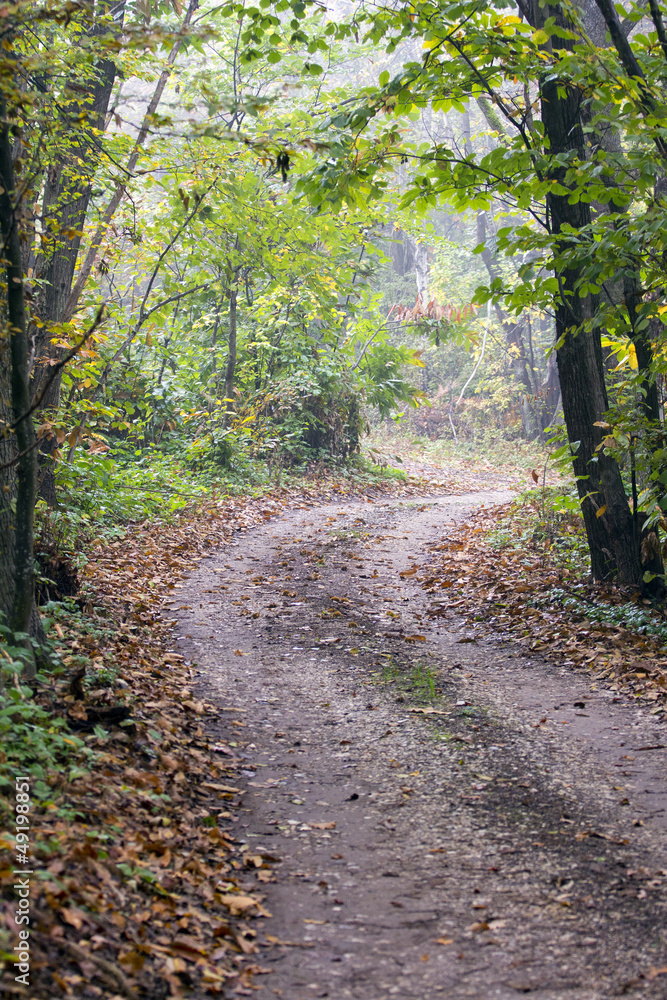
(609, 524)
(17, 552)
(421, 270)
(67, 195)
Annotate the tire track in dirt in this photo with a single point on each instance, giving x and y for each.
(452, 818)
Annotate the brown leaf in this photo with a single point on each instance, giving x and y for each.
(220, 788)
(238, 903)
(74, 917)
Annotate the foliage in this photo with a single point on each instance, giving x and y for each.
(34, 741)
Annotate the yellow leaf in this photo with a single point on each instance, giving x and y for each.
(601, 510)
(540, 37)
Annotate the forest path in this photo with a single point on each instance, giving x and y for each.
(452, 818)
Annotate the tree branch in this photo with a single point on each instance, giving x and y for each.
(630, 63)
(110, 211)
(57, 368)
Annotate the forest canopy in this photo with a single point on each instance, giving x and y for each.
(236, 234)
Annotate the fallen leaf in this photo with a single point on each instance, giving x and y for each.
(73, 917)
(238, 903)
(272, 939)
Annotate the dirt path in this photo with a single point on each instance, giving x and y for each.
(451, 818)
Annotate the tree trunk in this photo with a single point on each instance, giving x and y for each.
(231, 357)
(17, 554)
(421, 271)
(115, 200)
(609, 524)
(67, 195)
(550, 389)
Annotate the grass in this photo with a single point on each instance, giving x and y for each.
(416, 678)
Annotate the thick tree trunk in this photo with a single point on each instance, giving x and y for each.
(67, 195)
(609, 524)
(7, 478)
(18, 552)
(146, 126)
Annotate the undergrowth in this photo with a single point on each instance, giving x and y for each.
(635, 618)
(101, 493)
(34, 739)
(545, 520)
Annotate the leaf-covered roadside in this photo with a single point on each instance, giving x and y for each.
(140, 889)
(516, 571)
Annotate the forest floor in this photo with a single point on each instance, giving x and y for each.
(433, 810)
(359, 757)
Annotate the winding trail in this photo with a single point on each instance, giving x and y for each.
(452, 818)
